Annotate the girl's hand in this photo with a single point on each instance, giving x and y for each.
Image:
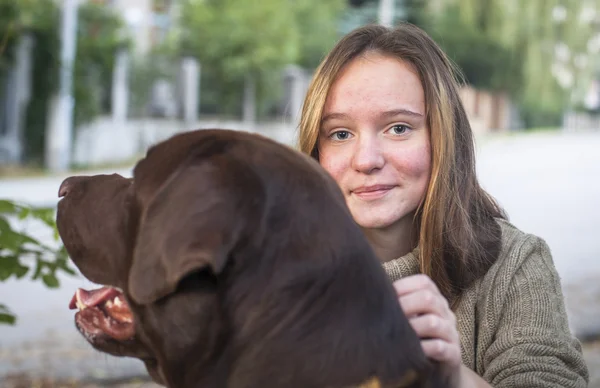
(430, 316)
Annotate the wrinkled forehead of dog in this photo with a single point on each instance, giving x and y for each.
(164, 158)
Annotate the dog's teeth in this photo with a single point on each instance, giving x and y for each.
(80, 305)
(118, 302)
(109, 304)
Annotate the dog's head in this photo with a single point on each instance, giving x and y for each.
(232, 252)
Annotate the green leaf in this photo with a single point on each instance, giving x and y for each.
(50, 281)
(20, 271)
(24, 238)
(7, 207)
(4, 226)
(39, 265)
(9, 266)
(6, 316)
(8, 319)
(66, 268)
(6, 268)
(14, 241)
(46, 215)
(10, 240)
(24, 213)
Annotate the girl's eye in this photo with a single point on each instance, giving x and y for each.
(340, 135)
(399, 129)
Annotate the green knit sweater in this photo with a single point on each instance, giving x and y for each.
(512, 322)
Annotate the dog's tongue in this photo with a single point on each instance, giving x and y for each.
(94, 297)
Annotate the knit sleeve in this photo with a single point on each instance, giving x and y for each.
(533, 345)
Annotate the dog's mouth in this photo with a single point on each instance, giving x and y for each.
(103, 312)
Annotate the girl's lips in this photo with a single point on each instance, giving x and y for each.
(372, 192)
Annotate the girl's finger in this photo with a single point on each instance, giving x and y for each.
(435, 327)
(424, 302)
(442, 351)
(414, 283)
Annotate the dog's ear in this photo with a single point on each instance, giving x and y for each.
(189, 225)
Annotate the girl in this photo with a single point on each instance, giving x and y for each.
(383, 116)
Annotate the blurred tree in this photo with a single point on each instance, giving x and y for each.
(9, 25)
(22, 254)
(237, 41)
(483, 60)
(99, 36)
(241, 37)
(39, 18)
(560, 48)
(548, 43)
(526, 30)
(363, 12)
(358, 15)
(415, 12)
(359, 3)
(316, 22)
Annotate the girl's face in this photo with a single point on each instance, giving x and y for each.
(374, 140)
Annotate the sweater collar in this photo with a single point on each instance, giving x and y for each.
(403, 266)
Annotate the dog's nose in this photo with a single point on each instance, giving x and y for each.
(64, 188)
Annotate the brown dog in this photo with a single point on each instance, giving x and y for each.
(240, 266)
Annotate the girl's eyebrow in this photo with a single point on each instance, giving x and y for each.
(334, 116)
(401, 112)
(388, 113)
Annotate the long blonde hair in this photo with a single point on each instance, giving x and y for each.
(458, 237)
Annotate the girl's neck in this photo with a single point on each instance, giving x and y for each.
(393, 241)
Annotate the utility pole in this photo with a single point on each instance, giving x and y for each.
(386, 12)
(60, 129)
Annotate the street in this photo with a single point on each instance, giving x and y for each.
(550, 186)
(549, 183)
